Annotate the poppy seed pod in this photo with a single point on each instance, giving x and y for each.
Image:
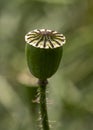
(43, 52)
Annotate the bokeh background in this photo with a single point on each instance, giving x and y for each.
(70, 90)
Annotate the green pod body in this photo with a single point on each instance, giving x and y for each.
(43, 63)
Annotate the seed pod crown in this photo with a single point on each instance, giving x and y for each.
(44, 38)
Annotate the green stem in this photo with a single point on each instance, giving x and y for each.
(43, 106)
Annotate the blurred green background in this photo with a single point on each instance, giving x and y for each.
(71, 88)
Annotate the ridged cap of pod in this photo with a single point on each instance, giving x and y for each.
(43, 52)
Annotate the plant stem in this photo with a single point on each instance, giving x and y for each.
(43, 106)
